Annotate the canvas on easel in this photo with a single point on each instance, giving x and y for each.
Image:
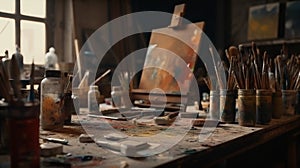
(163, 67)
(170, 61)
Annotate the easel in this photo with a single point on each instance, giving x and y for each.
(164, 46)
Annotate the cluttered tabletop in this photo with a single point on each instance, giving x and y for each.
(94, 140)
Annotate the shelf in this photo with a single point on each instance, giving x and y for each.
(272, 42)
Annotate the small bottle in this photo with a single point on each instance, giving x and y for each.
(116, 96)
(93, 99)
(51, 59)
(205, 102)
(19, 58)
(214, 105)
(51, 103)
(68, 105)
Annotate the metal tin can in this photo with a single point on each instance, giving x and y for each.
(227, 106)
(263, 106)
(246, 107)
(277, 106)
(289, 101)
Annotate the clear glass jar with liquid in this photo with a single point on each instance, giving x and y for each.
(51, 101)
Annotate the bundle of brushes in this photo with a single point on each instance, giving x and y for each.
(10, 88)
(287, 72)
(248, 69)
(125, 79)
(214, 79)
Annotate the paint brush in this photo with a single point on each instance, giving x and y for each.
(257, 58)
(15, 76)
(256, 74)
(278, 73)
(31, 92)
(297, 82)
(264, 72)
(244, 55)
(5, 88)
(233, 51)
(67, 87)
(230, 79)
(78, 59)
(216, 69)
(102, 76)
(280, 70)
(227, 55)
(208, 83)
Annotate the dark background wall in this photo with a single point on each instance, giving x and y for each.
(226, 20)
(212, 12)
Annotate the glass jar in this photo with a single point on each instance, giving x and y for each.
(116, 96)
(51, 101)
(214, 105)
(93, 99)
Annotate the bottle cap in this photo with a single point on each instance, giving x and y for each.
(93, 87)
(53, 73)
(51, 50)
(51, 59)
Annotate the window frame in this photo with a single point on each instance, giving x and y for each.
(48, 21)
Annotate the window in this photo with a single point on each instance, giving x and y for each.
(23, 22)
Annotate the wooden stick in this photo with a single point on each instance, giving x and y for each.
(216, 70)
(5, 76)
(99, 78)
(31, 92)
(208, 83)
(230, 77)
(297, 83)
(78, 58)
(84, 81)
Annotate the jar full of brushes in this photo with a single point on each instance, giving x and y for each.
(246, 107)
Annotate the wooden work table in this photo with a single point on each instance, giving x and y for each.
(229, 145)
